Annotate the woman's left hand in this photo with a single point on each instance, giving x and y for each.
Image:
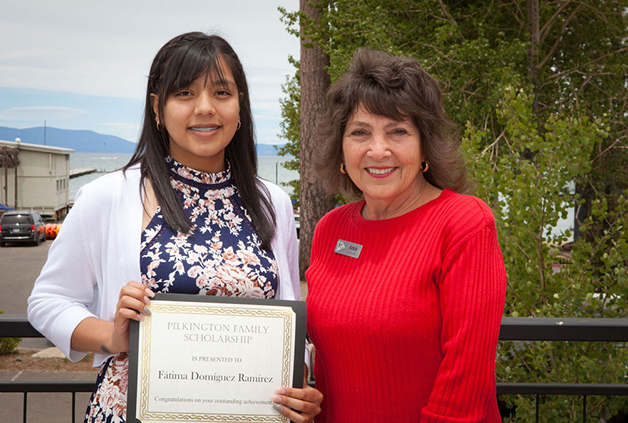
(298, 405)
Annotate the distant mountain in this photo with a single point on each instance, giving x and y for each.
(79, 140)
(83, 141)
(267, 149)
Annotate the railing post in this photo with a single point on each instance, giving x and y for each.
(25, 402)
(584, 409)
(537, 407)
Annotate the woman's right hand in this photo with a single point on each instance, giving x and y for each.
(132, 302)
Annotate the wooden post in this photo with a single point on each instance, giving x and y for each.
(9, 157)
(15, 204)
(5, 163)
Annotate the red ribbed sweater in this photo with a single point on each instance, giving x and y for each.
(407, 332)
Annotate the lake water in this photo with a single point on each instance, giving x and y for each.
(270, 168)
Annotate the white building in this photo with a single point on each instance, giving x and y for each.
(35, 177)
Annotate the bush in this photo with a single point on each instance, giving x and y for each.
(529, 193)
(9, 345)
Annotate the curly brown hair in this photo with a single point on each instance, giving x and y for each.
(398, 88)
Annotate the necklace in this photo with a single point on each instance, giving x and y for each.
(411, 203)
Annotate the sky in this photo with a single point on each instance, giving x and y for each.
(83, 65)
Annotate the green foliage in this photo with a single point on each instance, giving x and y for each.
(534, 154)
(9, 345)
(475, 49)
(290, 127)
(528, 197)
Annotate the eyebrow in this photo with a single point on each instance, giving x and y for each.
(358, 123)
(368, 125)
(220, 82)
(225, 83)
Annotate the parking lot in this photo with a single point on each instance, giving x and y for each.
(19, 267)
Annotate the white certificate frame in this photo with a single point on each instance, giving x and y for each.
(199, 381)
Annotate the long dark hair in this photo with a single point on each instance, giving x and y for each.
(177, 64)
(398, 88)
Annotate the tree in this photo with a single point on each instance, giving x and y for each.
(291, 128)
(314, 201)
(541, 88)
(529, 195)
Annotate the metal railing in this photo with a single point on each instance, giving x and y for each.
(17, 326)
(512, 329)
(559, 329)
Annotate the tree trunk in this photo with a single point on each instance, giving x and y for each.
(315, 202)
(533, 13)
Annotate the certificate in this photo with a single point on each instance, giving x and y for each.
(200, 358)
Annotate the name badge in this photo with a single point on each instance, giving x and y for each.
(348, 249)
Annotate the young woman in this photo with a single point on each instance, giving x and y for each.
(187, 214)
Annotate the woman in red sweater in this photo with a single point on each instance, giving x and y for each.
(406, 287)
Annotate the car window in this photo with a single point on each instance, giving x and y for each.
(16, 218)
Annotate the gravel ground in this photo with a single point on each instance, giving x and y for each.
(24, 361)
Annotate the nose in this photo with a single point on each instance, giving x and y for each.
(378, 147)
(204, 104)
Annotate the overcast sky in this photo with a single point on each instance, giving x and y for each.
(83, 65)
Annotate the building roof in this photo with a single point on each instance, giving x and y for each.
(36, 147)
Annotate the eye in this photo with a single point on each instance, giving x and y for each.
(183, 93)
(399, 131)
(358, 133)
(223, 93)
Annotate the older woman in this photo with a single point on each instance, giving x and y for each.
(405, 287)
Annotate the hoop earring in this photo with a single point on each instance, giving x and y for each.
(239, 125)
(160, 127)
(343, 169)
(424, 167)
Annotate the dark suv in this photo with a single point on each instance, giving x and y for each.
(22, 226)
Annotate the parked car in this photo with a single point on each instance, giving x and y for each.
(22, 226)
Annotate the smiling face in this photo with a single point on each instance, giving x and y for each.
(201, 120)
(383, 159)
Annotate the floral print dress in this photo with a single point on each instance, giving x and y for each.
(220, 256)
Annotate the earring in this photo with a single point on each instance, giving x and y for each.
(239, 125)
(160, 127)
(424, 167)
(343, 169)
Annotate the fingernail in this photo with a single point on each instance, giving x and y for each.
(278, 408)
(275, 398)
(147, 311)
(281, 391)
(150, 293)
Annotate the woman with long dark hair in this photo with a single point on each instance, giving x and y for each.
(187, 214)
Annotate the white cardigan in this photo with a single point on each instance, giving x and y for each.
(97, 252)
